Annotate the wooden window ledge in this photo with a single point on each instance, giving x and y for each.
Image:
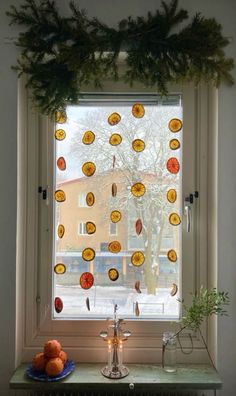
(148, 378)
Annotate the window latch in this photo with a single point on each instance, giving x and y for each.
(44, 192)
(188, 201)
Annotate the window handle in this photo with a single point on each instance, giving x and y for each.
(188, 201)
(187, 212)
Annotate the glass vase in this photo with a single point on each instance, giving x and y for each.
(169, 352)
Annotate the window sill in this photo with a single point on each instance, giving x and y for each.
(144, 378)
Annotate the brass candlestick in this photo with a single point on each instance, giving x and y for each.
(115, 368)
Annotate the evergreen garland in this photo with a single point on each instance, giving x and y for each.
(62, 54)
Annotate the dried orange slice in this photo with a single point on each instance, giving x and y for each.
(60, 231)
(88, 137)
(115, 139)
(138, 226)
(115, 216)
(174, 290)
(114, 247)
(90, 227)
(172, 255)
(173, 165)
(114, 119)
(137, 258)
(174, 219)
(138, 145)
(58, 304)
(88, 254)
(61, 163)
(113, 274)
(60, 269)
(88, 168)
(60, 196)
(90, 199)
(60, 116)
(138, 189)
(171, 195)
(175, 125)
(138, 110)
(86, 280)
(174, 144)
(114, 189)
(60, 134)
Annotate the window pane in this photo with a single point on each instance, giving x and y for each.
(133, 170)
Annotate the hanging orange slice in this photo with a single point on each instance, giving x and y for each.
(173, 165)
(61, 163)
(114, 189)
(90, 227)
(172, 255)
(58, 304)
(114, 119)
(174, 219)
(88, 254)
(114, 247)
(60, 134)
(171, 195)
(174, 290)
(138, 226)
(113, 274)
(115, 139)
(115, 216)
(88, 168)
(86, 280)
(175, 125)
(138, 189)
(88, 137)
(174, 144)
(60, 231)
(90, 199)
(138, 145)
(60, 269)
(60, 116)
(138, 110)
(137, 259)
(60, 196)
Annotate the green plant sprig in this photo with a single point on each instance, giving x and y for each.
(204, 304)
(60, 55)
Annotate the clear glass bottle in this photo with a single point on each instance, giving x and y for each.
(169, 352)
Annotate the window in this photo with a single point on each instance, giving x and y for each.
(81, 229)
(41, 223)
(82, 201)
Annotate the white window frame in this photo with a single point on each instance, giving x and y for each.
(83, 227)
(82, 201)
(80, 337)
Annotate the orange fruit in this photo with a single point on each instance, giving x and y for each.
(90, 199)
(171, 195)
(54, 367)
(174, 144)
(86, 280)
(52, 348)
(60, 196)
(172, 255)
(175, 125)
(113, 274)
(174, 219)
(173, 165)
(63, 356)
(61, 163)
(138, 110)
(60, 269)
(39, 362)
(90, 227)
(60, 231)
(114, 119)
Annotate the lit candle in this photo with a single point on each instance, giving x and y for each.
(109, 354)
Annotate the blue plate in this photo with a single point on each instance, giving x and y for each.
(41, 376)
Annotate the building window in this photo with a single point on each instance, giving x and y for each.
(82, 229)
(82, 201)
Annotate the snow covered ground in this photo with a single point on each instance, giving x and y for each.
(162, 305)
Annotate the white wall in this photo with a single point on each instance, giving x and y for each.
(110, 11)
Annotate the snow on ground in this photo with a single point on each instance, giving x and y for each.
(102, 300)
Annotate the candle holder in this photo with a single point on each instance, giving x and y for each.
(115, 336)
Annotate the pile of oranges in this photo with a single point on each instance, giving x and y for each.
(51, 360)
